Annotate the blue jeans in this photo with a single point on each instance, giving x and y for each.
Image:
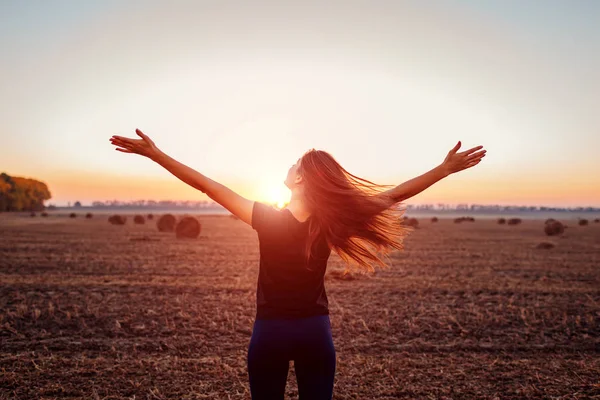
(307, 341)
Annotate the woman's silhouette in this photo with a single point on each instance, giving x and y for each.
(330, 209)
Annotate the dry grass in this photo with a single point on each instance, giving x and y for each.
(90, 310)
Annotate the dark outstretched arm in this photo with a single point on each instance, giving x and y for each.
(454, 162)
(416, 185)
(236, 204)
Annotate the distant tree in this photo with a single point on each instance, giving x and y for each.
(77, 204)
(22, 194)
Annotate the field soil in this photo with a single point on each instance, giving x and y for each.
(474, 310)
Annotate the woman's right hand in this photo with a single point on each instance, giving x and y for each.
(455, 162)
(144, 146)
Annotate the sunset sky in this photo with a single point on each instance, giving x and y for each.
(240, 90)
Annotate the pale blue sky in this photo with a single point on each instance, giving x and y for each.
(239, 90)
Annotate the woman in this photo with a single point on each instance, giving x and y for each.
(330, 209)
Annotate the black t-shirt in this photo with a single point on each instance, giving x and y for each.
(288, 286)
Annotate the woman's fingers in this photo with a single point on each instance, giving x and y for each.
(144, 137)
(122, 144)
(124, 150)
(121, 138)
(467, 152)
(472, 163)
(476, 155)
(455, 148)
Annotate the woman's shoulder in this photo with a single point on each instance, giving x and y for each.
(264, 216)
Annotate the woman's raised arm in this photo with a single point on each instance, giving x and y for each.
(454, 162)
(236, 204)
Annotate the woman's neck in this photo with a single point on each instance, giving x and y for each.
(298, 208)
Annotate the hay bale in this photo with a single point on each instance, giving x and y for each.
(597, 220)
(139, 219)
(32, 214)
(166, 223)
(545, 246)
(412, 222)
(501, 221)
(117, 219)
(583, 222)
(44, 214)
(434, 219)
(514, 221)
(549, 220)
(554, 228)
(463, 219)
(88, 215)
(72, 215)
(150, 216)
(342, 275)
(187, 227)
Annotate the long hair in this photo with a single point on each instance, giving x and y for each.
(360, 223)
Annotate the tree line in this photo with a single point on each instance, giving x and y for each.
(22, 194)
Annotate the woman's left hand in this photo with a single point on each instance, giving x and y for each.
(144, 146)
(455, 161)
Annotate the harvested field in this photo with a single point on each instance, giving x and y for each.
(467, 311)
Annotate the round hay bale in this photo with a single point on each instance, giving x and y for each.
(72, 215)
(597, 220)
(412, 222)
(187, 227)
(514, 221)
(32, 214)
(166, 223)
(501, 221)
(150, 216)
(44, 214)
(549, 220)
(463, 219)
(342, 275)
(554, 228)
(139, 219)
(117, 219)
(434, 219)
(88, 215)
(583, 222)
(545, 246)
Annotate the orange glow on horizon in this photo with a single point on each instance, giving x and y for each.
(533, 189)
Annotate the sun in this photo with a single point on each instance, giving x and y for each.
(278, 195)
